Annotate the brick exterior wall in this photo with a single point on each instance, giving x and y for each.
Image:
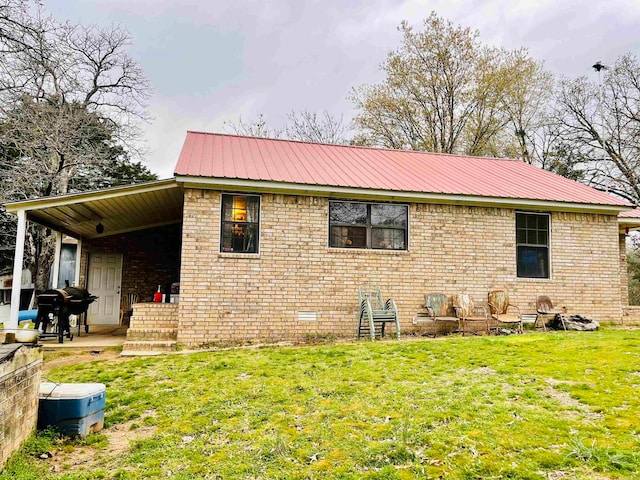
(20, 369)
(149, 258)
(624, 273)
(153, 327)
(631, 315)
(154, 316)
(236, 298)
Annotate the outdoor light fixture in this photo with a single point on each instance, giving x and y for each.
(99, 228)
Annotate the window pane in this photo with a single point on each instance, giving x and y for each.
(532, 221)
(227, 202)
(240, 208)
(346, 212)
(349, 237)
(226, 243)
(389, 215)
(239, 238)
(253, 209)
(250, 238)
(390, 238)
(521, 220)
(533, 262)
(521, 236)
(531, 237)
(543, 222)
(543, 238)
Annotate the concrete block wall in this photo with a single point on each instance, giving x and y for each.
(20, 369)
(243, 298)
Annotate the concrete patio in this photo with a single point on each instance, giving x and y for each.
(98, 338)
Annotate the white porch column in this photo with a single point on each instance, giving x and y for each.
(76, 282)
(56, 260)
(17, 269)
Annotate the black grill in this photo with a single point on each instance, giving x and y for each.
(55, 306)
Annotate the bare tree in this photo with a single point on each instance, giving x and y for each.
(311, 127)
(71, 97)
(44, 58)
(256, 128)
(301, 125)
(602, 123)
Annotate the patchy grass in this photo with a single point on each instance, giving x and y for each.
(559, 405)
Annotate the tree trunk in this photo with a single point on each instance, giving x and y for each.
(45, 260)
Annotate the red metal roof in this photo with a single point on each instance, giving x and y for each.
(248, 158)
(635, 213)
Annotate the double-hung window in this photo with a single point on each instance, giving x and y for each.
(240, 223)
(532, 244)
(368, 225)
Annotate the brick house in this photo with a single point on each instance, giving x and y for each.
(269, 239)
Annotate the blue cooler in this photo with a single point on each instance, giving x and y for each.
(27, 315)
(72, 408)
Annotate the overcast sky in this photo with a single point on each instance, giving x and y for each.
(214, 61)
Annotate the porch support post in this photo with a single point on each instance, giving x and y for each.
(76, 281)
(56, 260)
(17, 269)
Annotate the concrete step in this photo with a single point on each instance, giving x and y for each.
(150, 347)
(149, 334)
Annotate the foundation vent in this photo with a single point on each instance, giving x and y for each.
(307, 316)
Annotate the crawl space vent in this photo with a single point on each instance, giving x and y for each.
(307, 316)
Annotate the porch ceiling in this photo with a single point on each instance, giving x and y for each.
(118, 209)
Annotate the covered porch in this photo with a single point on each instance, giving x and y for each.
(629, 223)
(127, 244)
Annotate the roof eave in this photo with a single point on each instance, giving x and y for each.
(112, 192)
(629, 223)
(392, 195)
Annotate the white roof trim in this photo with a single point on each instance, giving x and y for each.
(632, 223)
(417, 197)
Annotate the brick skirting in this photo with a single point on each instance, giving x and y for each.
(20, 369)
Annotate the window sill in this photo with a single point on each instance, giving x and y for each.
(238, 255)
(534, 280)
(372, 251)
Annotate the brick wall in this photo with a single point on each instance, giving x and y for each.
(154, 316)
(20, 368)
(149, 258)
(631, 315)
(624, 273)
(245, 298)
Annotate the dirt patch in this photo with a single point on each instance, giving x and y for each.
(63, 359)
(564, 399)
(68, 458)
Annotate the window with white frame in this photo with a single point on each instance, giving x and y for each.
(532, 244)
(368, 225)
(240, 223)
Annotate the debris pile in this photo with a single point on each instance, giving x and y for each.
(573, 322)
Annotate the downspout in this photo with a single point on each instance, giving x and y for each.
(17, 269)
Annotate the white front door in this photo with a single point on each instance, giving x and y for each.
(105, 275)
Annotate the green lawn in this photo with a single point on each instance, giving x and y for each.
(559, 405)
